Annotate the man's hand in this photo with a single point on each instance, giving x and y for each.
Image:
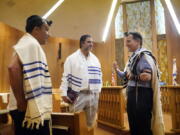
(145, 76)
(67, 99)
(16, 80)
(129, 76)
(115, 66)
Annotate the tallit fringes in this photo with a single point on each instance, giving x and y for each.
(31, 124)
(23, 123)
(26, 123)
(37, 125)
(42, 122)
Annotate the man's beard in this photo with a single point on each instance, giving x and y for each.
(88, 49)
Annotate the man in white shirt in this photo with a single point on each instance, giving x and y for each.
(82, 80)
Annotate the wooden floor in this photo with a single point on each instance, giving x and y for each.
(7, 129)
(105, 131)
(100, 131)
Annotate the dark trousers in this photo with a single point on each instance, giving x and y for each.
(18, 118)
(139, 108)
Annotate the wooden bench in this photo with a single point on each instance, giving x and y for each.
(71, 123)
(6, 127)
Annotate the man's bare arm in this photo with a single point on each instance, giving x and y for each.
(16, 81)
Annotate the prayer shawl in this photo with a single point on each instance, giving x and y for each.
(37, 82)
(75, 73)
(157, 124)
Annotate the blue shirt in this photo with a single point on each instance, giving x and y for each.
(141, 66)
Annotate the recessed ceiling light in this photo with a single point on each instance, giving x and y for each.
(173, 15)
(109, 19)
(53, 9)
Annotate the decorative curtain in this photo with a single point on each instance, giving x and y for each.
(139, 20)
(119, 33)
(160, 20)
(162, 59)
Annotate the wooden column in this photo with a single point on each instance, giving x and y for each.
(173, 40)
(154, 32)
(125, 28)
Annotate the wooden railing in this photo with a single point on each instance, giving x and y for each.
(165, 99)
(111, 107)
(171, 103)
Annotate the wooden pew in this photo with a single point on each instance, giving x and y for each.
(6, 127)
(58, 105)
(73, 123)
(3, 104)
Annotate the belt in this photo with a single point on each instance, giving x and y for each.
(87, 92)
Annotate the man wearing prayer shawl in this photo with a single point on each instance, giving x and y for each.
(82, 80)
(30, 102)
(143, 92)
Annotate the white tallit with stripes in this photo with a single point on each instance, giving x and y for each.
(80, 74)
(37, 82)
(157, 123)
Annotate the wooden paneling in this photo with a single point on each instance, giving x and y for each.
(106, 54)
(104, 51)
(125, 28)
(9, 37)
(154, 33)
(56, 65)
(173, 40)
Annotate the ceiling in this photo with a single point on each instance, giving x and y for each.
(72, 19)
(176, 5)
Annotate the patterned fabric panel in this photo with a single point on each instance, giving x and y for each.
(160, 19)
(139, 19)
(163, 60)
(119, 32)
